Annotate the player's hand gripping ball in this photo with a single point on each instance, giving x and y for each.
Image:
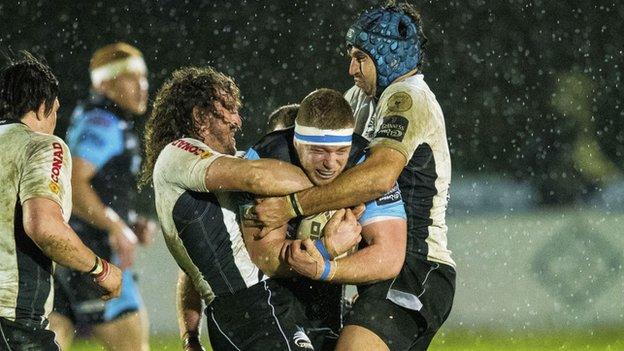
(341, 235)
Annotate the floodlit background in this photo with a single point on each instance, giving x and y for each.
(533, 99)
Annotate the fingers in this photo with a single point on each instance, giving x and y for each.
(358, 210)
(336, 218)
(284, 251)
(349, 216)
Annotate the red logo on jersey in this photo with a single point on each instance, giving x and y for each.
(186, 146)
(57, 163)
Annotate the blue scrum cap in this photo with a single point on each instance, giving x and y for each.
(391, 39)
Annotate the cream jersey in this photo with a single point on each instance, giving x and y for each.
(408, 118)
(200, 226)
(34, 165)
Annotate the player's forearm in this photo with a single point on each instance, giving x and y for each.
(270, 261)
(266, 252)
(269, 177)
(88, 206)
(59, 242)
(360, 184)
(380, 265)
(189, 306)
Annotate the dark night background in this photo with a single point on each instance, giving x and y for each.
(531, 90)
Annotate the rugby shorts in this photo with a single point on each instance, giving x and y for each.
(263, 317)
(17, 337)
(427, 288)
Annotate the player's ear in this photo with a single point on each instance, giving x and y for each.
(200, 120)
(41, 112)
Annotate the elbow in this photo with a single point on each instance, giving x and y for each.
(395, 269)
(393, 266)
(383, 185)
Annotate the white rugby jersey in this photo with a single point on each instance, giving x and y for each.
(34, 165)
(200, 227)
(409, 119)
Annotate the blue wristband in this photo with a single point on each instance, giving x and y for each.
(321, 247)
(326, 270)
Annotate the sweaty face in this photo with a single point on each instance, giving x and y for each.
(362, 69)
(129, 90)
(222, 129)
(322, 163)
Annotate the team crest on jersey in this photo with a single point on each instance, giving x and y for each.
(301, 339)
(399, 102)
(393, 127)
(54, 187)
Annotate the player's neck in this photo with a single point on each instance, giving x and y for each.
(31, 121)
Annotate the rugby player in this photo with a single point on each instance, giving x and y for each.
(323, 144)
(106, 159)
(190, 143)
(394, 108)
(34, 208)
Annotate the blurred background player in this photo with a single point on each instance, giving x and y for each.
(282, 118)
(106, 159)
(35, 204)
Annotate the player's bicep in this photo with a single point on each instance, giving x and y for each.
(229, 173)
(390, 233)
(82, 171)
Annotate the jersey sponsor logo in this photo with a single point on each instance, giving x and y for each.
(186, 146)
(206, 154)
(394, 195)
(301, 339)
(393, 127)
(57, 164)
(399, 102)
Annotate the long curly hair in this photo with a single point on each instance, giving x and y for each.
(172, 115)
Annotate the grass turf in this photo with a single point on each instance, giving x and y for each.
(464, 340)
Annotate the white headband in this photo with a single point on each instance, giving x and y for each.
(330, 137)
(112, 70)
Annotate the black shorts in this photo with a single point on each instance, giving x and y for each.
(78, 298)
(322, 304)
(263, 317)
(427, 288)
(17, 337)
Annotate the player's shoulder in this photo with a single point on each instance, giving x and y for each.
(186, 146)
(403, 95)
(46, 145)
(275, 144)
(38, 141)
(94, 117)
